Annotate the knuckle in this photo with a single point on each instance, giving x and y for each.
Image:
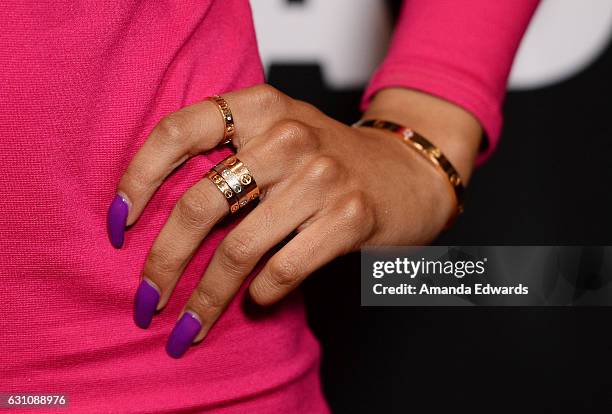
(291, 129)
(356, 212)
(294, 135)
(171, 128)
(207, 299)
(162, 263)
(324, 169)
(194, 210)
(237, 252)
(269, 97)
(283, 272)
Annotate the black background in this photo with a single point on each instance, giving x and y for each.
(548, 183)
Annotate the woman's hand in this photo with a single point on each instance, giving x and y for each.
(338, 187)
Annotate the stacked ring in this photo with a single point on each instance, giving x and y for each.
(237, 179)
(225, 189)
(228, 118)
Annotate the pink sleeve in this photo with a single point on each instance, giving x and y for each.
(460, 51)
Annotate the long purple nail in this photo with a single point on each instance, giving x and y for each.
(145, 304)
(183, 334)
(115, 221)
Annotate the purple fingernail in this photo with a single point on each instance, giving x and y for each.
(115, 221)
(183, 334)
(145, 304)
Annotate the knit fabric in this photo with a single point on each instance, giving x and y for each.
(460, 51)
(82, 84)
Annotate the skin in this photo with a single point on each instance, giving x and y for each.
(338, 187)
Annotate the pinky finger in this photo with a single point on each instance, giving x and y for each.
(325, 239)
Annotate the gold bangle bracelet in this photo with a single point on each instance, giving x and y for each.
(426, 149)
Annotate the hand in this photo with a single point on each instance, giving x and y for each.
(337, 187)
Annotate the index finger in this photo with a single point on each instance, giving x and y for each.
(183, 134)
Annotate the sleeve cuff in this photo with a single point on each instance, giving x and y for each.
(451, 86)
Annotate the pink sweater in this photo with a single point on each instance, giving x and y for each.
(82, 83)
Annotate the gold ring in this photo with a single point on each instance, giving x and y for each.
(240, 180)
(228, 118)
(225, 189)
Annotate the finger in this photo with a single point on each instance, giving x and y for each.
(328, 237)
(202, 206)
(235, 258)
(192, 218)
(182, 134)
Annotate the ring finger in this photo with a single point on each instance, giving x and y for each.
(237, 255)
(181, 135)
(194, 215)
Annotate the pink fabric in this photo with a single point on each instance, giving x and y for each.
(81, 86)
(461, 51)
(82, 83)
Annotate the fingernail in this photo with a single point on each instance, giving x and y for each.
(116, 219)
(183, 334)
(147, 297)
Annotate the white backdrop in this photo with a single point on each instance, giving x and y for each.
(348, 38)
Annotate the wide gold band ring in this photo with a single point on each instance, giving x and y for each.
(237, 181)
(225, 189)
(228, 118)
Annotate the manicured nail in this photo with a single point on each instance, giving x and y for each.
(183, 334)
(147, 297)
(116, 219)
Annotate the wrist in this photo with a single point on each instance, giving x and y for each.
(452, 129)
